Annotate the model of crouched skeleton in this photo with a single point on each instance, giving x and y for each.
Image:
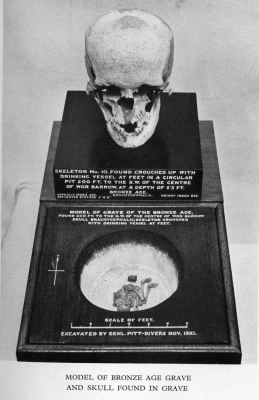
(129, 58)
(132, 296)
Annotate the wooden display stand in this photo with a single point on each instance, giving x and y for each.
(197, 323)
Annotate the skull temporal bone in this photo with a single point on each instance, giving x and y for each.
(129, 58)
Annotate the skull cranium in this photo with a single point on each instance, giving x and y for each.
(129, 58)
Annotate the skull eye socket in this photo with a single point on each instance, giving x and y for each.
(150, 91)
(111, 90)
(108, 90)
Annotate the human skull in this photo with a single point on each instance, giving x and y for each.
(129, 58)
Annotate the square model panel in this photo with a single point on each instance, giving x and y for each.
(108, 282)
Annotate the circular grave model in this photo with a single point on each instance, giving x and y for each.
(129, 270)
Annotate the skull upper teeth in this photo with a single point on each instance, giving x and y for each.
(116, 126)
(140, 126)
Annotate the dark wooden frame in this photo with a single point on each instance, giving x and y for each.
(230, 353)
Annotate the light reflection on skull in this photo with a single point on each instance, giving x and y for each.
(129, 58)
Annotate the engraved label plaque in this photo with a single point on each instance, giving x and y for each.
(90, 165)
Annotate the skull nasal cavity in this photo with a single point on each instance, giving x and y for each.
(126, 103)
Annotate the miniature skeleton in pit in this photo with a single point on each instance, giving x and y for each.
(132, 296)
(129, 59)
